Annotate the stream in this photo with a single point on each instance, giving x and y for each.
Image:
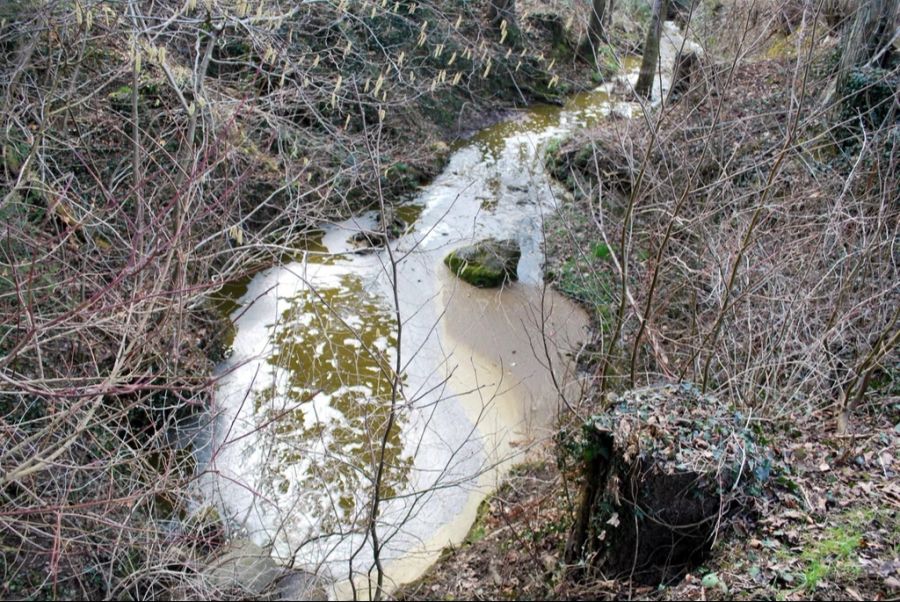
(302, 402)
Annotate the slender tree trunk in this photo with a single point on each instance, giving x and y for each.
(596, 32)
(644, 85)
(867, 37)
(596, 473)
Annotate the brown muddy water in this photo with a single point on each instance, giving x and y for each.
(302, 402)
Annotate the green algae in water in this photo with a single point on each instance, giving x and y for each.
(409, 213)
(335, 344)
(585, 106)
(492, 140)
(495, 188)
(311, 249)
(308, 247)
(226, 300)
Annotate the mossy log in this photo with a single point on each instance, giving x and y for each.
(665, 471)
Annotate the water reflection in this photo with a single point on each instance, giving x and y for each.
(328, 407)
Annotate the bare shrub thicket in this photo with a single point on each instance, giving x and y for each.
(153, 151)
(752, 224)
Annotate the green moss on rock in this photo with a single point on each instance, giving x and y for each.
(486, 264)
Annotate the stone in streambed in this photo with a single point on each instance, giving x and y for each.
(486, 264)
(389, 227)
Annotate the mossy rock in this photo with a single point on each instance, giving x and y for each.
(120, 98)
(486, 264)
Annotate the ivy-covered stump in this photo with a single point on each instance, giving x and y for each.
(666, 471)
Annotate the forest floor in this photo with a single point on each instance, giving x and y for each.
(827, 528)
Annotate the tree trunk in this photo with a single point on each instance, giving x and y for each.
(644, 85)
(597, 464)
(596, 32)
(867, 47)
(867, 37)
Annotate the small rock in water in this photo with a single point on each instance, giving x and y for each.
(486, 264)
(367, 240)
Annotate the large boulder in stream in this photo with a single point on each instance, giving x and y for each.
(665, 471)
(247, 570)
(486, 264)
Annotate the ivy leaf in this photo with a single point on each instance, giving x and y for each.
(601, 251)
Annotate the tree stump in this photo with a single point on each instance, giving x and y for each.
(665, 471)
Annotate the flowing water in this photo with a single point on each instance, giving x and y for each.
(304, 400)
